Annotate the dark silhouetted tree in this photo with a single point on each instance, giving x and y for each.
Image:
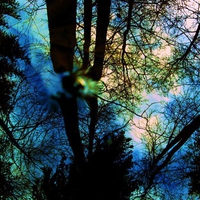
(193, 173)
(107, 175)
(10, 51)
(131, 50)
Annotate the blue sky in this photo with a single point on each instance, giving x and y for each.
(33, 31)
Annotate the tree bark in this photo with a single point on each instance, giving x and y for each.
(70, 115)
(103, 13)
(87, 31)
(62, 30)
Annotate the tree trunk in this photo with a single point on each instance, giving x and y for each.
(62, 28)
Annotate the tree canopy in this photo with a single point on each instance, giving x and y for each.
(100, 73)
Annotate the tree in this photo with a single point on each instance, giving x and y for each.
(10, 53)
(65, 45)
(168, 136)
(146, 45)
(120, 46)
(105, 176)
(7, 182)
(194, 170)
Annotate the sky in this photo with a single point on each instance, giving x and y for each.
(34, 30)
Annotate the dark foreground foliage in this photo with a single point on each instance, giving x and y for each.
(105, 176)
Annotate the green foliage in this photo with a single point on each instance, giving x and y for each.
(9, 8)
(10, 52)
